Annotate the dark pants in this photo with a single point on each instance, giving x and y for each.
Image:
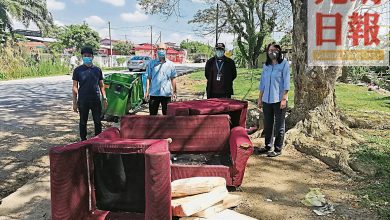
(96, 108)
(154, 103)
(274, 125)
(212, 95)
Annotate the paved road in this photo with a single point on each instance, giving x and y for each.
(35, 115)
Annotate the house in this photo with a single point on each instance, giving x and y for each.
(175, 55)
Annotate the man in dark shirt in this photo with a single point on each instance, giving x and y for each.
(220, 72)
(87, 86)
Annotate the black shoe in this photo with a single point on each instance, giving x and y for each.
(262, 150)
(274, 153)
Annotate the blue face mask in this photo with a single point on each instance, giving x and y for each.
(219, 53)
(87, 60)
(161, 53)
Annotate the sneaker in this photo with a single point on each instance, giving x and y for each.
(274, 153)
(262, 150)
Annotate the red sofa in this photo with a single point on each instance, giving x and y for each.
(82, 188)
(236, 109)
(193, 135)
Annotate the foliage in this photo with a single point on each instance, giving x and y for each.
(196, 47)
(286, 41)
(77, 37)
(25, 12)
(123, 48)
(121, 60)
(16, 64)
(250, 20)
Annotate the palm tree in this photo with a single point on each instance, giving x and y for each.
(25, 11)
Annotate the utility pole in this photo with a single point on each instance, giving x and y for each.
(126, 37)
(160, 37)
(216, 25)
(109, 33)
(151, 42)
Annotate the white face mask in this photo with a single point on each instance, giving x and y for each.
(219, 53)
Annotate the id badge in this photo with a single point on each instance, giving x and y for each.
(218, 78)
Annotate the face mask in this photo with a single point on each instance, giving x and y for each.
(219, 53)
(273, 55)
(87, 60)
(161, 53)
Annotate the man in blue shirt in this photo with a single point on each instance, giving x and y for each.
(161, 82)
(87, 86)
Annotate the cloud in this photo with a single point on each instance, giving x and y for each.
(199, 1)
(54, 5)
(59, 23)
(115, 2)
(134, 17)
(79, 1)
(95, 20)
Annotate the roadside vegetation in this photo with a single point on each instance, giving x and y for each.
(16, 64)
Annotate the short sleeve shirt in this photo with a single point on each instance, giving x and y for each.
(88, 78)
(160, 75)
(275, 79)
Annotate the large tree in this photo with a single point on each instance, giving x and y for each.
(77, 37)
(123, 48)
(25, 11)
(318, 129)
(250, 20)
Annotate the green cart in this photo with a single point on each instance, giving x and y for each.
(124, 93)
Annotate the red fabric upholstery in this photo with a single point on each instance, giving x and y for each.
(235, 108)
(204, 133)
(110, 133)
(195, 134)
(70, 173)
(239, 154)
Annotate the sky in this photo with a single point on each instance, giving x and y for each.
(128, 21)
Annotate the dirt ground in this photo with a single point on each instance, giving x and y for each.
(272, 187)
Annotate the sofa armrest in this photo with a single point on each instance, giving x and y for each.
(241, 148)
(69, 181)
(109, 133)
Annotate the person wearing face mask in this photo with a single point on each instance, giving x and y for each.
(273, 95)
(161, 82)
(220, 72)
(87, 87)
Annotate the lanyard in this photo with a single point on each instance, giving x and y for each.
(219, 68)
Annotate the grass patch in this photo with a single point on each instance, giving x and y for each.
(376, 190)
(245, 85)
(43, 68)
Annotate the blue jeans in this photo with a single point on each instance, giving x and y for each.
(274, 125)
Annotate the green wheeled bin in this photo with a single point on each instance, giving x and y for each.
(124, 93)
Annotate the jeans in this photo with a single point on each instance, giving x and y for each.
(154, 103)
(274, 125)
(96, 108)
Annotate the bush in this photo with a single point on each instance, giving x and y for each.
(14, 64)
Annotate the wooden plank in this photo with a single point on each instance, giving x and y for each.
(195, 185)
(190, 205)
(224, 215)
(229, 202)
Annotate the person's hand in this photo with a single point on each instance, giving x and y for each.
(147, 97)
(174, 97)
(75, 107)
(259, 103)
(283, 104)
(105, 103)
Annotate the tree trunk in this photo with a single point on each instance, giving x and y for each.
(318, 129)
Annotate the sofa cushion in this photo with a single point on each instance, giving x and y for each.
(200, 133)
